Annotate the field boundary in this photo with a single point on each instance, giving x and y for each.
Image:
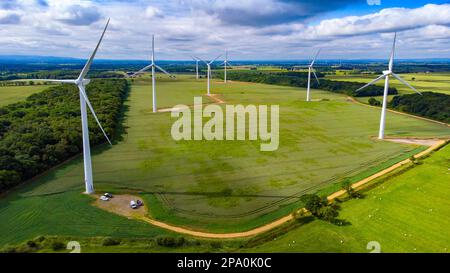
(269, 226)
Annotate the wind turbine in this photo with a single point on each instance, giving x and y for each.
(225, 64)
(196, 66)
(153, 66)
(81, 83)
(311, 69)
(208, 64)
(386, 75)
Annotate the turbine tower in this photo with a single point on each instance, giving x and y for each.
(385, 76)
(153, 66)
(311, 69)
(208, 64)
(225, 64)
(196, 66)
(81, 83)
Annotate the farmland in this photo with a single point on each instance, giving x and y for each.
(434, 82)
(211, 185)
(12, 94)
(407, 213)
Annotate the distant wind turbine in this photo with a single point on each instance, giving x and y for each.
(225, 64)
(153, 66)
(385, 76)
(196, 66)
(81, 83)
(311, 69)
(208, 64)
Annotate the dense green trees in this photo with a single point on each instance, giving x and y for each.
(45, 129)
(300, 79)
(430, 105)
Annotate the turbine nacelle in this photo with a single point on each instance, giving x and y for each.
(83, 82)
(387, 72)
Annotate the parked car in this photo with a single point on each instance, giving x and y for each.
(139, 203)
(133, 204)
(108, 195)
(104, 198)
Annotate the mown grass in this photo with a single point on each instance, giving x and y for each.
(214, 186)
(406, 213)
(12, 94)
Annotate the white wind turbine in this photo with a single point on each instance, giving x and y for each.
(208, 64)
(386, 75)
(81, 83)
(225, 64)
(153, 66)
(311, 69)
(196, 66)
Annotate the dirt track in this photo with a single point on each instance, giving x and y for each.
(214, 97)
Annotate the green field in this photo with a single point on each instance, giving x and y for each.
(408, 213)
(12, 94)
(434, 82)
(215, 186)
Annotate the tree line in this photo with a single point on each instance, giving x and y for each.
(300, 79)
(45, 129)
(430, 105)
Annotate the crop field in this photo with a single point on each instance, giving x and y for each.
(408, 213)
(434, 82)
(12, 94)
(216, 186)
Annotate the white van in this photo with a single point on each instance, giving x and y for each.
(133, 204)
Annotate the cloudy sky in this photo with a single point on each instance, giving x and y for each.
(250, 29)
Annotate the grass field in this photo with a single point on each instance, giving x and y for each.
(12, 94)
(188, 183)
(434, 82)
(408, 213)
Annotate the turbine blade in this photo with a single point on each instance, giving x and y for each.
(52, 80)
(317, 79)
(87, 66)
(162, 70)
(142, 70)
(201, 60)
(81, 88)
(153, 49)
(315, 57)
(391, 59)
(372, 82)
(405, 83)
(215, 59)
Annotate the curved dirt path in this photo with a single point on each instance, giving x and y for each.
(120, 203)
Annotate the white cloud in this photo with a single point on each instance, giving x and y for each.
(9, 18)
(387, 20)
(152, 12)
(71, 28)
